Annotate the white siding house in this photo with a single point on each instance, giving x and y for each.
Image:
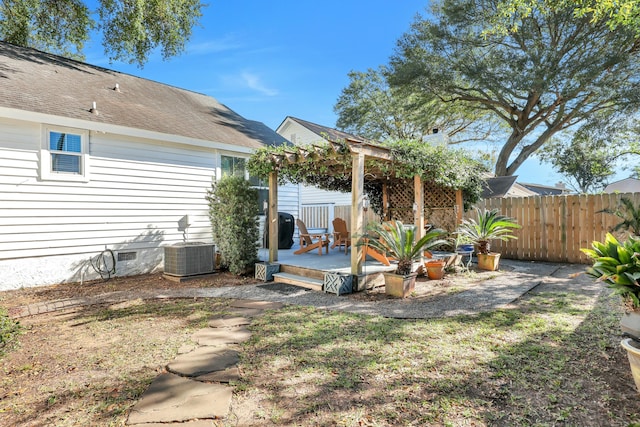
(92, 159)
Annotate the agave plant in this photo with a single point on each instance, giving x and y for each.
(618, 265)
(397, 241)
(491, 225)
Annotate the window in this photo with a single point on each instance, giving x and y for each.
(236, 166)
(64, 154)
(232, 166)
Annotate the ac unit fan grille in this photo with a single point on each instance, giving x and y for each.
(189, 260)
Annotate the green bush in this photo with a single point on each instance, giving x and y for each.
(233, 207)
(9, 331)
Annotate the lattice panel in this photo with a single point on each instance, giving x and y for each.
(439, 204)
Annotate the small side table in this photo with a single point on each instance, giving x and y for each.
(463, 254)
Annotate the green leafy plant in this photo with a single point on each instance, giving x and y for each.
(232, 211)
(397, 241)
(9, 331)
(490, 225)
(629, 213)
(618, 265)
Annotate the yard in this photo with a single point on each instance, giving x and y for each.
(552, 358)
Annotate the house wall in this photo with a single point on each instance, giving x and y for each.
(138, 192)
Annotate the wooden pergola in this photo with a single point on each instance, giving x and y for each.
(354, 162)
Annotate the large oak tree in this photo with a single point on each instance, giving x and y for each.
(554, 72)
(369, 107)
(131, 29)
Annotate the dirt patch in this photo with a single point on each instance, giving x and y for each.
(26, 296)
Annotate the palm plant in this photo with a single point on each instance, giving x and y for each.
(629, 214)
(491, 225)
(397, 241)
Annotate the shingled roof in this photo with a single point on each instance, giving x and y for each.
(35, 81)
(328, 133)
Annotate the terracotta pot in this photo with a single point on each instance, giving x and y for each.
(488, 261)
(398, 285)
(435, 269)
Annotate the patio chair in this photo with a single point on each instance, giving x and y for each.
(341, 236)
(309, 242)
(377, 255)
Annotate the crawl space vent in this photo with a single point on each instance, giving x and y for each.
(127, 256)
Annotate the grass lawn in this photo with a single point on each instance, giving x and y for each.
(552, 358)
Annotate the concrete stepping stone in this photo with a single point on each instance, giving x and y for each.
(245, 312)
(226, 376)
(171, 398)
(263, 305)
(203, 360)
(229, 322)
(195, 423)
(217, 337)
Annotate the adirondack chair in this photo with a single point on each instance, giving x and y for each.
(309, 242)
(341, 236)
(378, 256)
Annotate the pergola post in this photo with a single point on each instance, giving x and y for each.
(273, 217)
(418, 200)
(357, 213)
(459, 207)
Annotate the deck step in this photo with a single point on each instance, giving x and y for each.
(302, 281)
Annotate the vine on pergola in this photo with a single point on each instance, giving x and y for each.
(327, 165)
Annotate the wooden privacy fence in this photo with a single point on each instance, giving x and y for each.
(554, 228)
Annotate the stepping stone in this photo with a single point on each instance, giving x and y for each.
(195, 423)
(171, 398)
(217, 337)
(229, 322)
(263, 305)
(202, 361)
(246, 312)
(228, 375)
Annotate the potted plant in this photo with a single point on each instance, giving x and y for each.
(490, 225)
(618, 265)
(398, 242)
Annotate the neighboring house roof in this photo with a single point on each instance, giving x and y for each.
(324, 131)
(504, 186)
(546, 190)
(627, 185)
(39, 82)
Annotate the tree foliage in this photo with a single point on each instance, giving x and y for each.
(583, 162)
(552, 73)
(233, 205)
(369, 107)
(614, 13)
(131, 29)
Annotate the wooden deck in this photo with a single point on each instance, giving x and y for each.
(313, 266)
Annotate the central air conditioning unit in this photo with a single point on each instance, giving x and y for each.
(189, 259)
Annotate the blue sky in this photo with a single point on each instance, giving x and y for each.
(270, 59)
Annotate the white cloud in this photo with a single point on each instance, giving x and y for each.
(226, 43)
(253, 82)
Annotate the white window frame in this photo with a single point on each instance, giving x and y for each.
(246, 176)
(46, 173)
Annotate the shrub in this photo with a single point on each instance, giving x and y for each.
(233, 208)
